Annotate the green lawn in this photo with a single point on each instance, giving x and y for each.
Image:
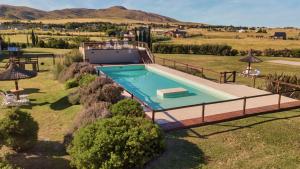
(54, 114)
(231, 63)
(47, 50)
(265, 141)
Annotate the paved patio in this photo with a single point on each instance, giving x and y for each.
(235, 90)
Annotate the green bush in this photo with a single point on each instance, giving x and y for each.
(118, 142)
(18, 130)
(86, 79)
(71, 83)
(5, 165)
(127, 107)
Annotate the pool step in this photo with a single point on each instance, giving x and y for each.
(171, 92)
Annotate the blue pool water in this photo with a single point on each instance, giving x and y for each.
(144, 82)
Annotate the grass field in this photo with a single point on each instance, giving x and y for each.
(265, 141)
(46, 50)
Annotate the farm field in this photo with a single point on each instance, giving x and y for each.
(241, 41)
(247, 143)
(242, 44)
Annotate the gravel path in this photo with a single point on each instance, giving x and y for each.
(285, 62)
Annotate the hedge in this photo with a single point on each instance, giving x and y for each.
(205, 49)
(220, 50)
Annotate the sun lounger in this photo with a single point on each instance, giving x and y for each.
(10, 100)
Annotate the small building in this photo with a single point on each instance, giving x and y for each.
(176, 33)
(280, 35)
(241, 31)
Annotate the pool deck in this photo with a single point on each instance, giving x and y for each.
(192, 116)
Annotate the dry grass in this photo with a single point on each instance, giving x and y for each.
(243, 44)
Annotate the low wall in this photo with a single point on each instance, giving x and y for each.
(111, 56)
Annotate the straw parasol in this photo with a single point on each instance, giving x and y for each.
(13, 72)
(250, 59)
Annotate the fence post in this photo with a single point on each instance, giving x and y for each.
(163, 61)
(131, 96)
(254, 81)
(202, 71)
(244, 105)
(221, 74)
(277, 88)
(225, 77)
(187, 68)
(153, 116)
(203, 112)
(234, 76)
(279, 100)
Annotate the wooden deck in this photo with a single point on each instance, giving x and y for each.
(196, 122)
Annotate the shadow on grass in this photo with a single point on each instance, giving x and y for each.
(263, 119)
(179, 154)
(31, 105)
(45, 155)
(61, 104)
(32, 90)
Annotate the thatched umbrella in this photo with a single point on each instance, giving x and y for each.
(250, 59)
(13, 72)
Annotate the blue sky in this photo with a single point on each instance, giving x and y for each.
(272, 13)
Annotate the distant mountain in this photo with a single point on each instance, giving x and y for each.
(26, 13)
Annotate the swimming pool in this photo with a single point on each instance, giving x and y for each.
(144, 81)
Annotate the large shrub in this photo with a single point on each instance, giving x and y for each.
(91, 114)
(101, 89)
(87, 116)
(112, 93)
(18, 130)
(119, 142)
(76, 70)
(127, 107)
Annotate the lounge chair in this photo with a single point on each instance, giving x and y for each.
(251, 72)
(10, 100)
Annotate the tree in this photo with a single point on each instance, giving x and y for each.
(33, 40)
(27, 39)
(36, 39)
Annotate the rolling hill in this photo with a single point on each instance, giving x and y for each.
(26, 13)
